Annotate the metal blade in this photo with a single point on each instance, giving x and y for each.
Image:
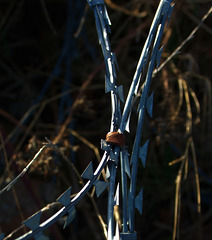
(70, 217)
(108, 85)
(116, 199)
(127, 164)
(117, 235)
(121, 93)
(139, 201)
(114, 60)
(113, 157)
(143, 152)
(34, 221)
(65, 197)
(127, 127)
(100, 186)
(149, 104)
(41, 236)
(104, 146)
(88, 173)
(107, 172)
(158, 56)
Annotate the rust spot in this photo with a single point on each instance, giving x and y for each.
(116, 138)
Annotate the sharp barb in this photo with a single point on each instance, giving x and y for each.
(34, 221)
(70, 217)
(100, 187)
(137, 86)
(114, 59)
(107, 17)
(113, 157)
(127, 164)
(104, 146)
(107, 172)
(114, 71)
(107, 54)
(170, 13)
(149, 104)
(114, 64)
(130, 207)
(143, 152)
(121, 93)
(158, 57)
(132, 160)
(65, 197)
(117, 235)
(108, 85)
(116, 199)
(127, 127)
(139, 201)
(88, 173)
(41, 236)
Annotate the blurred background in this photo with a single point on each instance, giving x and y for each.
(52, 85)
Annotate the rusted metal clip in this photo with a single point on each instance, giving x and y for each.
(115, 138)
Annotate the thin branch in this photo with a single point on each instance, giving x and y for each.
(177, 200)
(48, 17)
(180, 159)
(180, 102)
(29, 128)
(90, 145)
(188, 108)
(8, 187)
(126, 11)
(197, 21)
(197, 188)
(10, 174)
(90, 196)
(190, 36)
(82, 21)
(56, 148)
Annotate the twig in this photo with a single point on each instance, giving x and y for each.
(177, 201)
(82, 89)
(180, 159)
(82, 21)
(195, 99)
(10, 174)
(184, 164)
(197, 21)
(53, 146)
(29, 128)
(90, 145)
(178, 192)
(197, 188)
(180, 100)
(190, 36)
(23, 171)
(125, 10)
(56, 148)
(48, 17)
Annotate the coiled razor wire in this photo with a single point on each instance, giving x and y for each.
(114, 147)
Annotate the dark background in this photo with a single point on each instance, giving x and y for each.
(52, 76)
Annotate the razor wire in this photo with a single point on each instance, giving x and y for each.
(115, 150)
